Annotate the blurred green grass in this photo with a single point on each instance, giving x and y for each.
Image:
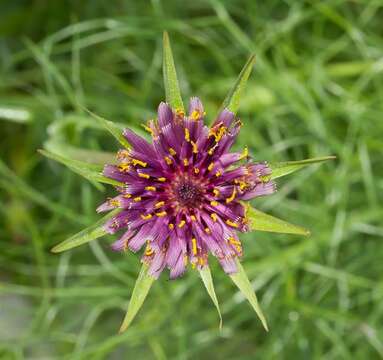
(317, 89)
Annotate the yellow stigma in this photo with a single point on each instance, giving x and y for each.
(123, 167)
(210, 167)
(127, 196)
(168, 160)
(218, 174)
(145, 176)
(195, 147)
(214, 216)
(114, 202)
(187, 135)
(216, 192)
(195, 115)
(214, 203)
(159, 204)
(193, 218)
(233, 241)
(232, 196)
(172, 151)
(146, 217)
(194, 245)
(137, 199)
(161, 179)
(182, 223)
(139, 162)
(180, 112)
(207, 231)
(171, 226)
(148, 129)
(196, 170)
(161, 214)
(211, 151)
(150, 188)
(149, 251)
(231, 223)
(186, 162)
(245, 153)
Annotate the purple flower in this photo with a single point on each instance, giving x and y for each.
(183, 194)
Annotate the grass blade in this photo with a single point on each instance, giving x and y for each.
(264, 222)
(207, 279)
(91, 172)
(241, 280)
(110, 126)
(284, 168)
(172, 89)
(141, 289)
(90, 233)
(232, 99)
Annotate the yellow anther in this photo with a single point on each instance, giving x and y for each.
(168, 160)
(195, 115)
(180, 112)
(171, 226)
(159, 204)
(216, 192)
(148, 129)
(187, 135)
(214, 203)
(182, 223)
(234, 241)
(211, 151)
(127, 196)
(143, 175)
(123, 167)
(242, 185)
(218, 174)
(149, 251)
(210, 167)
(214, 217)
(193, 265)
(161, 214)
(194, 246)
(139, 162)
(193, 218)
(122, 154)
(232, 196)
(146, 217)
(114, 202)
(207, 231)
(245, 153)
(137, 199)
(172, 151)
(196, 170)
(186, 259)
(186, 162)
(231, 223)
(161, 179)
(150, 188)
(195, 147)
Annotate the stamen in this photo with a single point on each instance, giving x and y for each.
(214, 203)
(194, 245)
(114, 202)
(123, 167)
(137, 199)
(187, 135)
(193, 218)
(127, 196)
(232, 196)
(196, 170)
(210, 152)
(210, 167)
(172, 151)
(150, 188)
(145, 176)
(161, 179)
(245, 153)
(146, 217)
(171, 226)
(161, 214)
(168, 160)
(216, 192)
(148, 129)
(218, 174)
(233, 241)
(182, 223)
(195, 147)
(207, 231)
(180, 112)
(231, 223)
(149, 251)
(159, 204)
(195, 115)
(214, 216)
(139, 162)
(186, 162)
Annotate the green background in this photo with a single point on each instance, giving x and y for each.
(316, 89)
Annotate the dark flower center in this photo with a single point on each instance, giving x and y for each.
(188, 193)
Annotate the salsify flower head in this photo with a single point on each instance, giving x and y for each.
(183, 194)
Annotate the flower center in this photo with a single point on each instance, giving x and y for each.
(188, 193)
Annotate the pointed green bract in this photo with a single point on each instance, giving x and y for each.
(91, 172)
(207, 279)
(90, 233)
(284, 168)
(141, 289)
(172, 89)
(260, 221)
(232, 99)
(115, 130)
(241, 280)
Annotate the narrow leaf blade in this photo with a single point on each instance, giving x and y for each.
(232, 99)
(284, 168)
(91, 172)
(207, 280)
(141, 289)
(241, 280)
(264, 222)
(110, 126)
(172, 89)
(90, 233)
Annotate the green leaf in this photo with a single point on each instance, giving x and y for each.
(232, 99)
(172, 89)
(141, 289)
(265, 222)
(284, 168)
(241, 280)
(90, 233)
(207, 279)
(112, 127)
(91, 172)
